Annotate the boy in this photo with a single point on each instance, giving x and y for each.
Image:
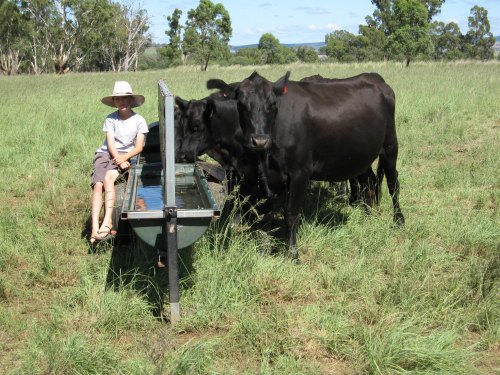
(125, 134)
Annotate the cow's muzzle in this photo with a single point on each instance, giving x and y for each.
(259, 142)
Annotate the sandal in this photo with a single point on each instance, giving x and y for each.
(106, 234)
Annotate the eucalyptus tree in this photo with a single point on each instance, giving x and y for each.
(479, 40)
(411, 30)
(343, 46)
(172, 52)
(12, 43)
(269, 47)
(446, 40)
(307, 54)
(403, 25)
(207, 32)
(136, 23)
(55, 29)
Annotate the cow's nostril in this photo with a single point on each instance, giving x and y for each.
(260, 141)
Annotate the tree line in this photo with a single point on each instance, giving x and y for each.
(45, 36)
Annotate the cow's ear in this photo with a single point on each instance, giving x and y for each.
(280, 86)
(226, 89)
(181, 103)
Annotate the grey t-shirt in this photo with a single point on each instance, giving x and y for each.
(124, 131)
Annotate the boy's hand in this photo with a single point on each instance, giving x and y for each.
(120, 159)
(124, 166)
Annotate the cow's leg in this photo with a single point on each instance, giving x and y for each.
(367, 184)
(295, 197)
(354, 196)
(388, 162)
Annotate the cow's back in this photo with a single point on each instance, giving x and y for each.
(337, 128)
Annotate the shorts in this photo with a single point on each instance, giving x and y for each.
(102, 164)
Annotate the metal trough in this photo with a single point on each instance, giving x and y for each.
(169, 206)
(143, 204)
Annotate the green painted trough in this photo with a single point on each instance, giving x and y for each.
(143, 204)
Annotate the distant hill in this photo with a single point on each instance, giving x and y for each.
(316, 46)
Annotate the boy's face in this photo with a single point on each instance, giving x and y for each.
(122, 102)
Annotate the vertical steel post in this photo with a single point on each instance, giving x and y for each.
(167, 145)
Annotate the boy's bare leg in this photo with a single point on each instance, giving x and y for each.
(96, 210)
(109, 203)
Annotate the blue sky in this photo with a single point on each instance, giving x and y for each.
(302, 21)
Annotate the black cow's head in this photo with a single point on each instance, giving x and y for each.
(257, 106)
(193, 132)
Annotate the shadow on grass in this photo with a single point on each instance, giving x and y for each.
(133, 264)
(323, 203)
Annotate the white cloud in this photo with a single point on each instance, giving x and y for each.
(333, 26)
(330, 26)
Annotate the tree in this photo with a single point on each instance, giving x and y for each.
(479, 40)
(173, 51)
(121, 37)
(269, 47)
(100, 49)
(307, 54)
(247, 56)
(447, 40)
(342, 46)
(55, 28)
(207, 32)
(70, 33)
(387, 20)
(372, 43)
(272, 52)
(286, 55)
(12, 43)
(136, 24)
(410, 36)
(433, 7)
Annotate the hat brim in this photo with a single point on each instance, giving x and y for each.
(138, 100)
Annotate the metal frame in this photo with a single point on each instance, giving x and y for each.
(167, 149)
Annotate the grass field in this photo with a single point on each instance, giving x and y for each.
(367, 298)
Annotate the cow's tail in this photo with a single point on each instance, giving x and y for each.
(378, 181)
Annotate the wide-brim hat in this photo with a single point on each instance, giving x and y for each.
(123, 88)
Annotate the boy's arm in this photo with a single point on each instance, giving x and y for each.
(138, 146)
(110, 140)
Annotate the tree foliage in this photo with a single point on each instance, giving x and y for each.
(44, 36)
(479, 40)
(273, 52)
(411, 30)
(447, 41)
(343, 46)
(207, 32)
(172, 53)
(307, 54)
(58, 35)
(12, 43)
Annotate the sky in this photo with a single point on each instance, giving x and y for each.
(302, 21)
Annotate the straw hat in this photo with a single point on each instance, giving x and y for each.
(123, 88)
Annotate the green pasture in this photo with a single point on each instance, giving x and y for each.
(367, 298)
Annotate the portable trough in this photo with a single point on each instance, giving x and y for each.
(169, 206)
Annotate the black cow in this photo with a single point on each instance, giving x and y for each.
(323, 131)
(211, 126)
